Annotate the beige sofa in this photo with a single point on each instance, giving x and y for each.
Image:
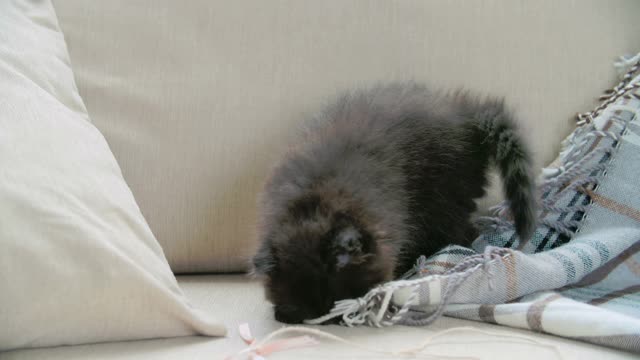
(196, 100)
(237, 300)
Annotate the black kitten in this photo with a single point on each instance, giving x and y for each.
(381, 177)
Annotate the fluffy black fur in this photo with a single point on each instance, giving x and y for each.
(379, 178)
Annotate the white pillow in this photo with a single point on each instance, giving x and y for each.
(78, 262)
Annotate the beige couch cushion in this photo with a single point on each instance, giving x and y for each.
(241, 301)
(197, 98)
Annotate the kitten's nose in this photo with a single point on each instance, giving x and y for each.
(289, 315)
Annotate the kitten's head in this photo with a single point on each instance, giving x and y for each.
(319, 250)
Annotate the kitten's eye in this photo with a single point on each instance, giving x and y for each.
(347, 247)
(349, 240)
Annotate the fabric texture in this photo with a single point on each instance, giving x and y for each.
(236, 299)
(577, 277)
(197, 99)
(78, 262)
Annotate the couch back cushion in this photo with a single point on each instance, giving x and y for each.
(197, 99)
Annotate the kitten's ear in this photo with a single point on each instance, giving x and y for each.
(349, 247)
(263, 261)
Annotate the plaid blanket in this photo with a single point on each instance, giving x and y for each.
(577, 277)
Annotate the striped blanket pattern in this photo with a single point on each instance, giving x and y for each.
(579, 275)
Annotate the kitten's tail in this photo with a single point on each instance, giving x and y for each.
(511, 155)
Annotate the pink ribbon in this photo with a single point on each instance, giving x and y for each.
(258, 351)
